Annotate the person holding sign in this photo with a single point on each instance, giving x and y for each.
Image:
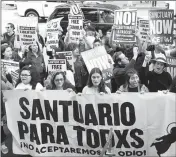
(122, 65)
(59, 82)
(132, 83)
(81, 73)
(96, 83)
(157, 79)
(36, 57)
(29, 79)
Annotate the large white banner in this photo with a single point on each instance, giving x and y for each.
(57, 123)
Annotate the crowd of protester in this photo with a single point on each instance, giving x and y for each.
(139, 67)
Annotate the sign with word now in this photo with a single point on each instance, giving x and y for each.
(125, 25)
(98, 58)
(76, 25)
(161, 26)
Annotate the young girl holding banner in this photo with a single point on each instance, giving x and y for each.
(132, 83)
(96, 83)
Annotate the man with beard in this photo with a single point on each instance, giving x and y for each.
(122, 65)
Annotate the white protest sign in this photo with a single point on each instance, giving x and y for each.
(125, 22)
(58, 123)
(52, 32)
(57, 65)
(76, 25)
(26, 33)
(143, 29)
(98, 58)
(75, 9)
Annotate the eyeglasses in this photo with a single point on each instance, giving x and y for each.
(24, 75)
(58, 80)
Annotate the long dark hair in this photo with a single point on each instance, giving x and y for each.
(34, 76)
(128, 74)
(53, 86)
(101, 86)
(39, 50)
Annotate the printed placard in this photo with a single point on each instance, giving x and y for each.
(69, 57)
(143, 29)
(52, 32)
(98, 58)
(125, 25)
(76, 25)
(161, 26)
(26, 33)
(57, 65)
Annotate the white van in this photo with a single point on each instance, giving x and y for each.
(40, 9)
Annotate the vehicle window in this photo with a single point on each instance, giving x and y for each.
(60, 12)
(106, 16)
(90, 14)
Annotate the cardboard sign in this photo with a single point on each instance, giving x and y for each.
(98, 58)
(58, 123)
(26, 33)
(125, 22)
(52, 33)
(161, 26)
(57, 65)
(143, 29)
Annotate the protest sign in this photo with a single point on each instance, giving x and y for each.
(172, 66)
(57, 65)
(98, 58)
(143, 29)
(69, 57)
(76, 25)
(75, 9)
(56, 123)
(125, 23)
(161, 26)
(10, 67)
(52, 32)
(26, 33)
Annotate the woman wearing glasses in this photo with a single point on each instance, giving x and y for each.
(29, 79)
(59, 82)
